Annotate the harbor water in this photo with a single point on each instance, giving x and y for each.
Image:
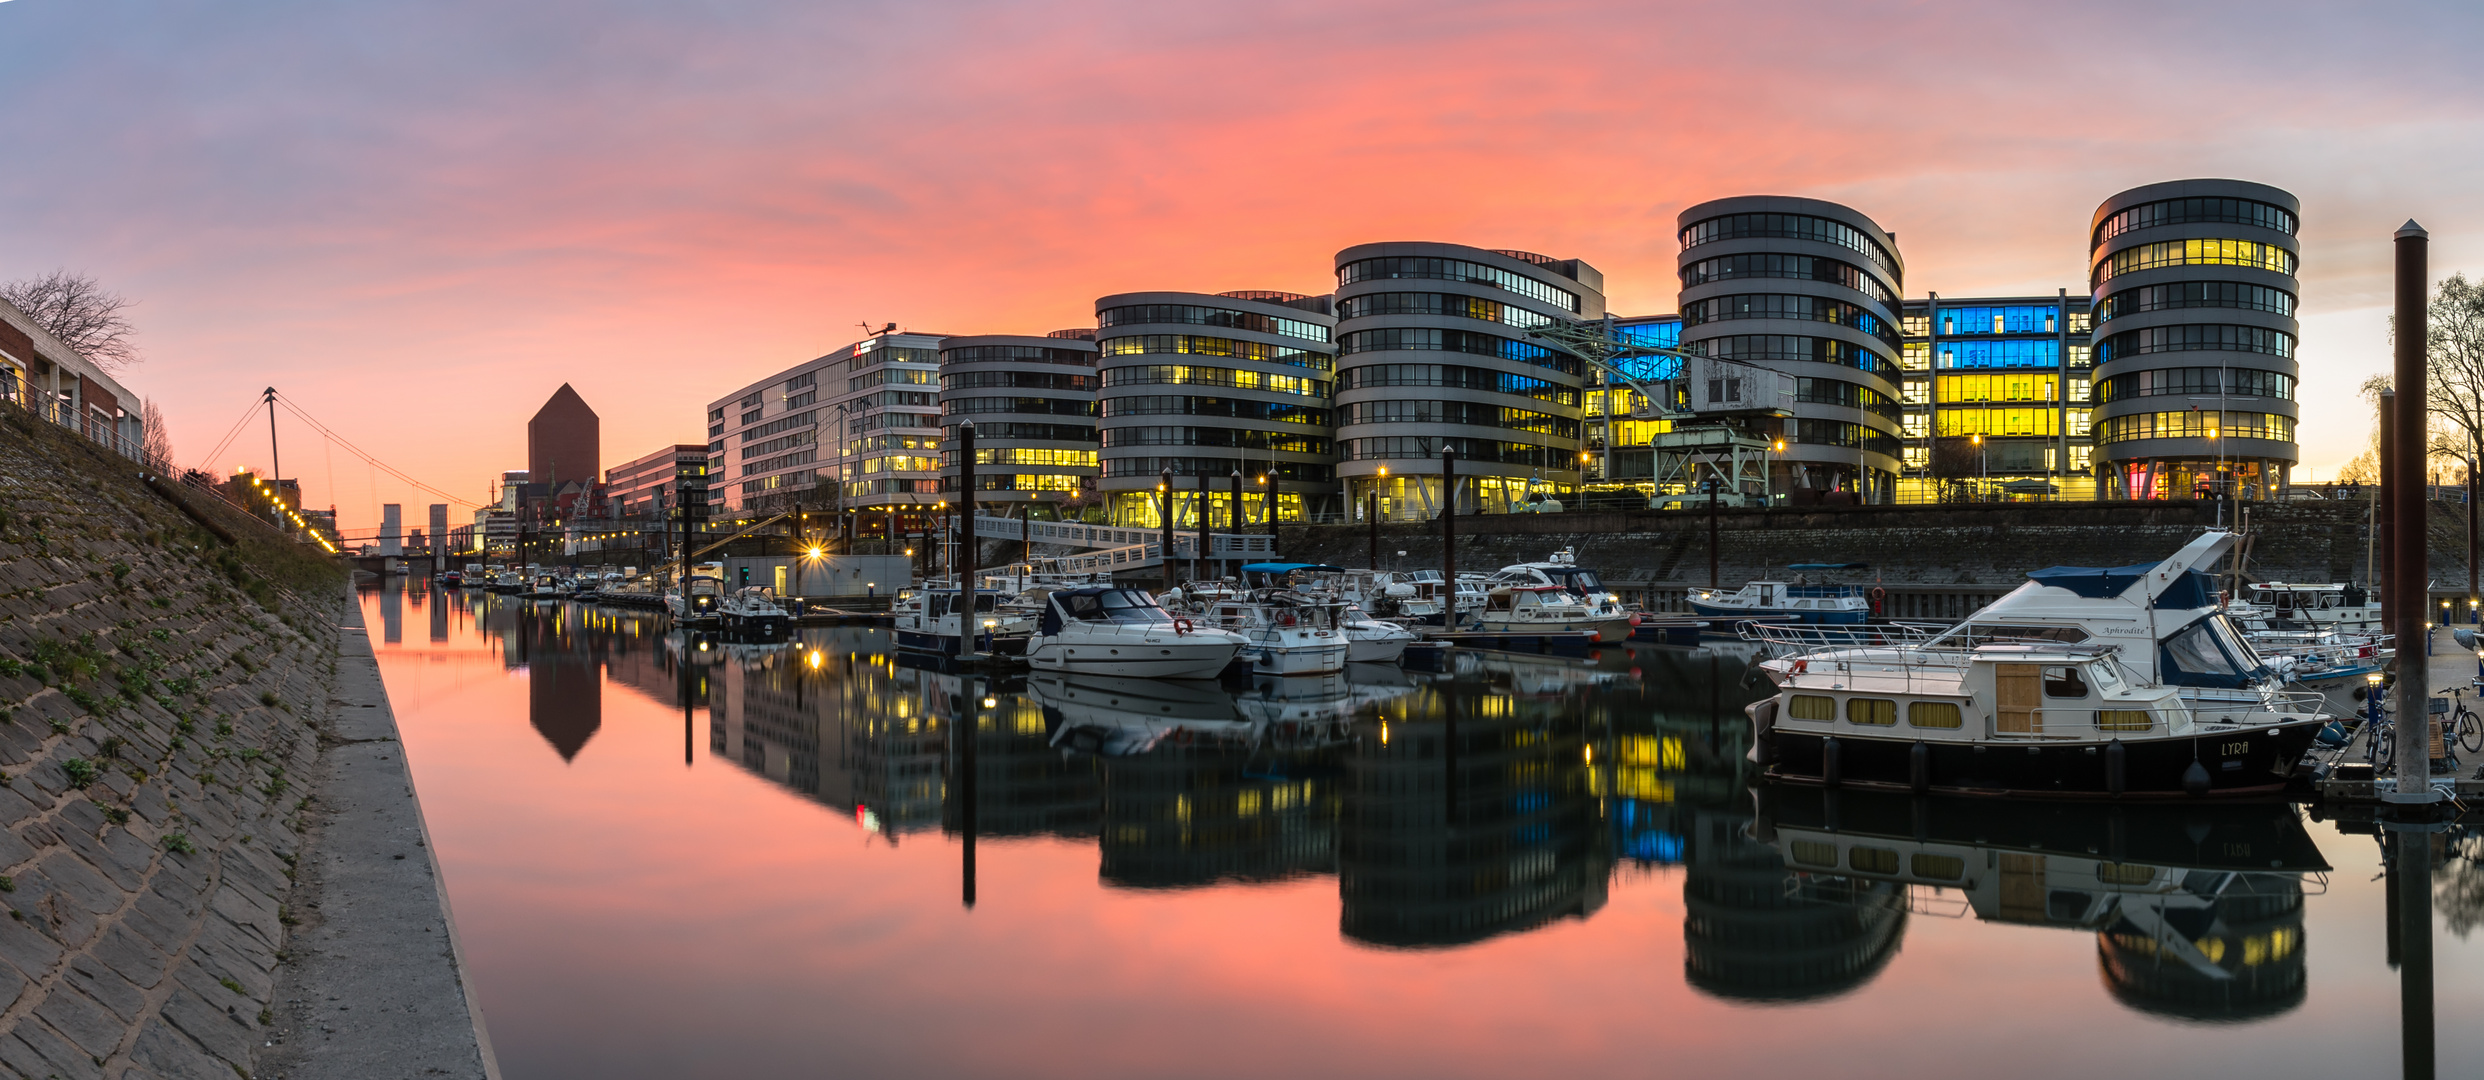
(675, 856)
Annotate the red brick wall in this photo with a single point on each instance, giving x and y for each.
(564, 440)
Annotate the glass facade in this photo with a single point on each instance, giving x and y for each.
(1034, 417)
(1997, 398)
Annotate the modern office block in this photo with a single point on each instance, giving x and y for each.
(1997, 397)
(1810, 289)
(857, 431)
(1032, 401)
(2193, 284)
(1433, 352)
(1207, 386)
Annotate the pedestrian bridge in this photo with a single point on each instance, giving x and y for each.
(1111, 548)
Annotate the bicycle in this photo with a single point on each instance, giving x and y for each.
(2466, 729)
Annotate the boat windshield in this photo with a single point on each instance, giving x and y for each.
(1577, 579)
(1114, 605)
(2209, 653)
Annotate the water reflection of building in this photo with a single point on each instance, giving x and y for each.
(2197, 911)
(1468, 813)
(1023, 786)
(1203, 811)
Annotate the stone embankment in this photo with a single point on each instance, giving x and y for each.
(167, 675)
(1992, 544)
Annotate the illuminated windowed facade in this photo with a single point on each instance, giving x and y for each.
(2193, 284)
(1032, 401)
(1807, 288)
(1433, 352)
(1997, 397)
(858, 429)
(1208, 386)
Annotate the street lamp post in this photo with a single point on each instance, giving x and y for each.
(1984, 480)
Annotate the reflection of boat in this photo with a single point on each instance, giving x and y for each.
(1122, 632)
(1114, 717)
(2198, 910)
(2122, 681)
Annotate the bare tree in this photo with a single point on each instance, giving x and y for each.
(79, 311)
(2455, 362)
(157, 449)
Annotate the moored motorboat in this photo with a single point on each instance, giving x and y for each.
(1372, 641)
(1284, 633)
(1562, 570)
(1543, 609)
(753, 612)
(703, 604)
(1795, 601)
(926, 620)
(1114, 631)
(2126, 681)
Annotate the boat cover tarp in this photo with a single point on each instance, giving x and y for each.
(2194, 590)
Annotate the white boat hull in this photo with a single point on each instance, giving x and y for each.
(1296, 659)
(1608, 631)
(1168, 659)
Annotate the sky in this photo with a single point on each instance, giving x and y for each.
(418, 220)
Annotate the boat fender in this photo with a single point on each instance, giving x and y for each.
(1181, 626)
(1832, 761)
(2195, 780)
(1763, 715)
(1919, 767)
(2117, 767)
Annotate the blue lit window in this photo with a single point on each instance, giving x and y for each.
(1999, 354)
(2013, 319)
(1662, 334)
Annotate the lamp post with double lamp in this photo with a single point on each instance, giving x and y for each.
(1779, 448)
(1371, 516)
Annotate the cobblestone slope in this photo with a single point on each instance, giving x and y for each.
(161, 690)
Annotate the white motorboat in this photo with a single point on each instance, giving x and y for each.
(1285, 633)
(926, 620)
(1543, 609)
(1563, 570)
(705, 603)
(2118, 681)
(1114, 631)
(2317, 607)
(753, 612)
(1796, 601)
(1373, 641)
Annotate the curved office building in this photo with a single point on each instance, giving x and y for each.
(1206, 386)
(1433, 351)
(1032, 400)
(2195, 333)
(1810, 289)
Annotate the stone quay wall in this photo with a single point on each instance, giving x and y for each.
(165, 668)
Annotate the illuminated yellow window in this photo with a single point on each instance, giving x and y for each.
(1872, 860)
(1932, 714)
(1814, 853)
(1877, 712)
(1811, 707)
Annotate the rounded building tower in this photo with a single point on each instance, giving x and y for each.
(2195, 333)
(1032, 400)
(1432, 351)
(1206, 386)
(1810, 289)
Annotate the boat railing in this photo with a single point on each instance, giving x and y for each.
(1795, 639)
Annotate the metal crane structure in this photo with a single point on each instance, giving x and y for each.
(1714, 437)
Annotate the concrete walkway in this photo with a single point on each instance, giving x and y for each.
(375, 987)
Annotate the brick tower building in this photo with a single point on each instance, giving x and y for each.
(564, 442)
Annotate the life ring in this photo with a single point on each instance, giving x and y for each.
(1181, 626)
(1801, 666)
(1878, 595)
(1288, 620)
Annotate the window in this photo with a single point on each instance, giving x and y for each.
(751, 417)
(2197, 657)
(1811, 707)
(2007, 353)
(1040, 406)
(1195, 315)
(2013, 386)
(802, 400)
(2193, 253)
(1759, 348)
(1022, 380)
(1426, 339)
(1932, 714)
(1427, 411)
(752, 399)
(1463, 307)
(1465, 378)
(1018, 354)
(2123, 720)
(1936, 867)
(1291, 442)
(2209, 337)
(2195, 424)
(1814, 853)
(1794, 267)
(2125, 873)
(1872, 860)
(2064, 682)
(1484, 451)
(2196, 211)
(1876, 712)
(808, 378)
(2197, 294)
(1195, 345)
(1776, 306)
(1281, 412)
(1411, 267)
(1185, 374)
(2238, 382)
(1792, 227)
(2000, 319)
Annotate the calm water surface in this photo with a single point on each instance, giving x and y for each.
(731, 861)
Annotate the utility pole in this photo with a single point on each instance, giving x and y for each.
(275, 465)
(1164, 484)
(2414, 724)
(1449, 539)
